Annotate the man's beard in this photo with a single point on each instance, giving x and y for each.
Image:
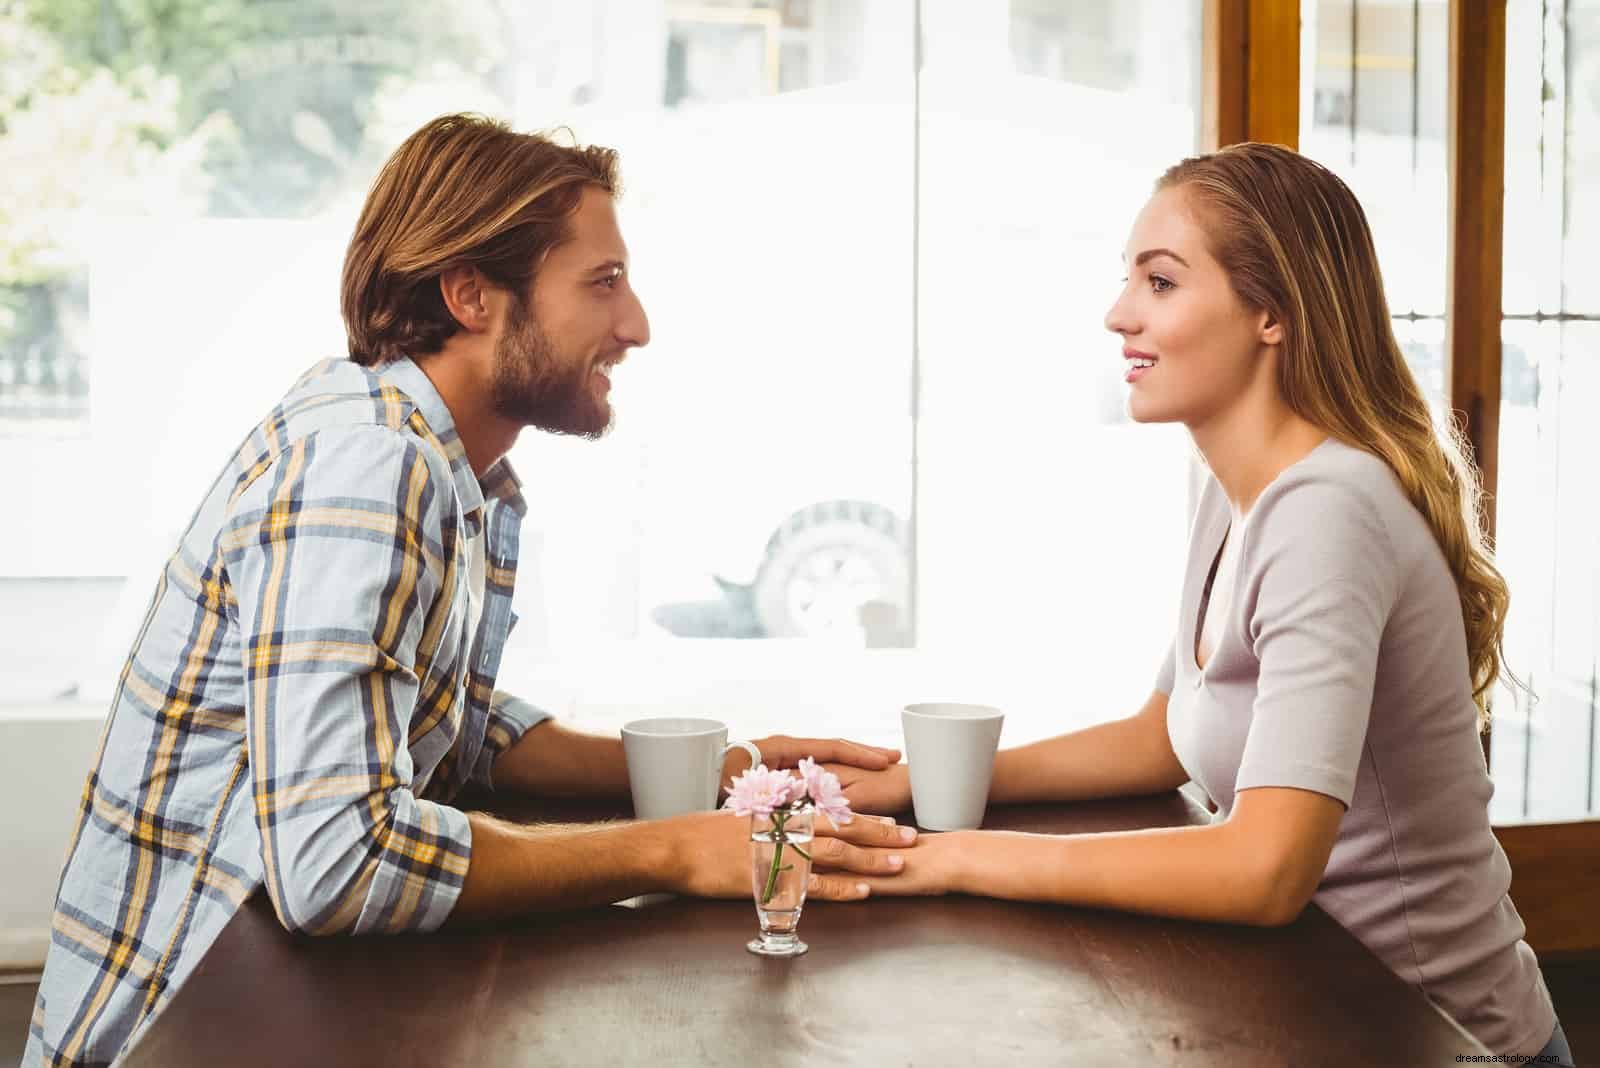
(537, 386)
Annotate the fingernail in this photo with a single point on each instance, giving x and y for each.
(861, 888)
(896, 862)
(908, 834)
(814, 883)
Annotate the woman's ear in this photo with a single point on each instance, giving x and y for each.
(1271, 331)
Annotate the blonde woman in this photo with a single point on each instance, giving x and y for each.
(1339, 630)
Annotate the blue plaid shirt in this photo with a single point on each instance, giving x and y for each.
(299, 708)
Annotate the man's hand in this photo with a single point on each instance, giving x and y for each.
(781, 751)
(887, 791)
(713, 855)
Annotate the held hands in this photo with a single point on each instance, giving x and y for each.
(886, 790)
(712, 858)
(872, 777)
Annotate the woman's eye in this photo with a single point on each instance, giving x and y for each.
(1159, 284)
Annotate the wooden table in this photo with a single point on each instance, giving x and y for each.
(935, 981)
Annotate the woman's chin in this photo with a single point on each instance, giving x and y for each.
(1141, 410)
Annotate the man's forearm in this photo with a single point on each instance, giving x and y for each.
(520, 869)
(553, 760)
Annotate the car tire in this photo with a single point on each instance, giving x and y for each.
(824, 562)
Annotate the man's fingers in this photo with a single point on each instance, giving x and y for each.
(867, 831)
(855, 754)
(836, 888)
(836, 853)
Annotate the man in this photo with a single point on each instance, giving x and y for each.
(314, 681)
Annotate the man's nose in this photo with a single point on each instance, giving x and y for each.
(633, 328)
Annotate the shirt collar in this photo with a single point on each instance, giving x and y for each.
(500, 482)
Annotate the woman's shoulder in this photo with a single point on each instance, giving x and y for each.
(1336, 493)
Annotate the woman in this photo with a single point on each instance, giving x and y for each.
(1340, 622)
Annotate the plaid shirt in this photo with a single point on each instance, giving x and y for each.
(298, 709)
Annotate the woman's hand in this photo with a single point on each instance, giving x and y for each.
(711, 855)
(937, 866)
(887, 792)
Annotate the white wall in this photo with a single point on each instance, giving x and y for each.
(44, 759)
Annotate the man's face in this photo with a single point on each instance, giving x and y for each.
(552, 367)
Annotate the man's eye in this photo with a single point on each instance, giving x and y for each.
(610, 281)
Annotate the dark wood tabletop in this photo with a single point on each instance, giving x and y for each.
(934, 981)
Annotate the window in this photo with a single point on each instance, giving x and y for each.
(1374, 100)
(865, 458)
(1545, 750)
(1374, 109)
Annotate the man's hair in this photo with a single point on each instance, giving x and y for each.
(464, 190)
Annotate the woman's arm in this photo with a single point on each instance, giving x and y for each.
(1125, 756)
(1259, 867)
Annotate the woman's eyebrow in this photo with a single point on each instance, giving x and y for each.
(1151, 253)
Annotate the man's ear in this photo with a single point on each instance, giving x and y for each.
(465, 297)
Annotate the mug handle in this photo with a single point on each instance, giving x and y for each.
(749, 748)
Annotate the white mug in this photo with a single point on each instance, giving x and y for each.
(675, 764)
(950, 748)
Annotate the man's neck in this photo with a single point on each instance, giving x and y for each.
(485, 435)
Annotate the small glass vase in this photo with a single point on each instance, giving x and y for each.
(780, 871)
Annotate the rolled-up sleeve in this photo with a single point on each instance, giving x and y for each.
(333, 555)
(509, 719)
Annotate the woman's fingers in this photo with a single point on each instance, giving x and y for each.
(835, 853)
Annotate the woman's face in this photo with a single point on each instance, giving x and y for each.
(1191, 347)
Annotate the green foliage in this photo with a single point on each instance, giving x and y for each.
(187, 107)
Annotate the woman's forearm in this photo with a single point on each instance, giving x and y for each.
(1196, 873)
(1116, 759)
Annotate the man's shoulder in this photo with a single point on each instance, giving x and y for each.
(337, 400)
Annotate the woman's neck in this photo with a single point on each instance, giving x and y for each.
(1250, 444)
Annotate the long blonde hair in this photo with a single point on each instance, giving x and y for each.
(1295, 243)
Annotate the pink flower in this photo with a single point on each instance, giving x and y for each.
(825, 791)
(759, 791)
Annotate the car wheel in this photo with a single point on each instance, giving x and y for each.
(827, 561)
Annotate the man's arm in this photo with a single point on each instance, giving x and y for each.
(520, 869)
(553, 760)
(334, 558)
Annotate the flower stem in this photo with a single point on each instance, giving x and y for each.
(778, 820)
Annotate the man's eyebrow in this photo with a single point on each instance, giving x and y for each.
(1151, 253)
(608, 265)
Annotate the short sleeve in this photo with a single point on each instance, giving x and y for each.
(1318, 581)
